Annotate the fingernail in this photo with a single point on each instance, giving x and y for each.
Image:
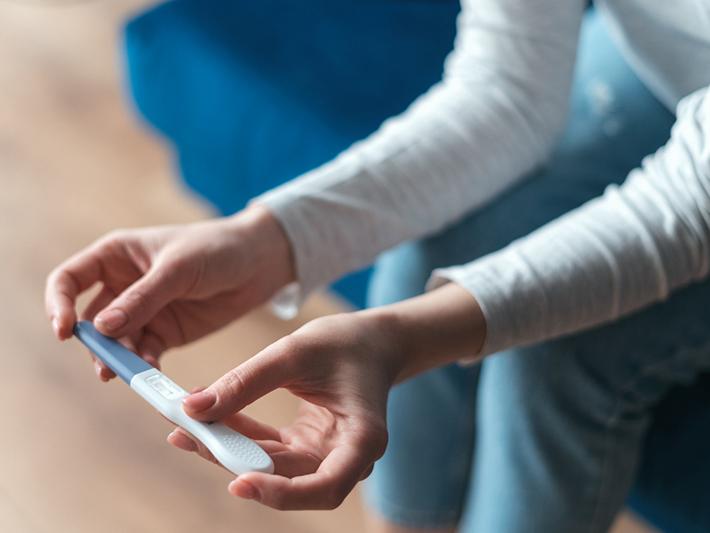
(200, 401)
(97, 369)
(246, 490)
(55, 326)
(191, 444)
(112, 319)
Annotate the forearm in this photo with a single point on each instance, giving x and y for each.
(623, 251)
(492, 119)
(431, 330)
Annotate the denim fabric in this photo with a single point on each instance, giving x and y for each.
(545, 438)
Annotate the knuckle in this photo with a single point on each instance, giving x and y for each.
(53, 277)
(112, 237)
(317, 326)
(162, 275)
(180, 273)
(232, 385)
(291, 343)
(137, 301)
(170, 265)
(167, 265)
(310, 340)
(119, 234)
(293, 347)
(58, 276)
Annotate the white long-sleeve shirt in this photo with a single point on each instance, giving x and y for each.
(494, 117)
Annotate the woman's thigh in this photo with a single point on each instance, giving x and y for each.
(562, 423)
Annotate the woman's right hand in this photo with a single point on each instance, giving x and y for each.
(169, 285)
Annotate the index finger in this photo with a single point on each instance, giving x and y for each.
(64, 285)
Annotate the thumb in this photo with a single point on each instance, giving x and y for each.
(263, 373)
(140, 302)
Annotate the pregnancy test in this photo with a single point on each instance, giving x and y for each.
(237, 453)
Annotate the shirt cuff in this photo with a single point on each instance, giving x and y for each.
(286, 303)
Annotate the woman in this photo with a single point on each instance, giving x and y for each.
(560, 422)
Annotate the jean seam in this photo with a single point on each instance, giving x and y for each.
(691, 354)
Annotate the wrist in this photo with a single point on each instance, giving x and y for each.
(267, 245)
(431, 330)
(385, 327)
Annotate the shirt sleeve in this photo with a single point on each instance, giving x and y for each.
(494, 117)
(616, 254)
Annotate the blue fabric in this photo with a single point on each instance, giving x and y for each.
(252, 94)
(554, 436)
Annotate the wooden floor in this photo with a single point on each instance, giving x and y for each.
(77, 455)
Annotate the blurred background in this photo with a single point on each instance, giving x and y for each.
(77, 455)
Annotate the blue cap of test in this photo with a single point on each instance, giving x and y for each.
(117, 357)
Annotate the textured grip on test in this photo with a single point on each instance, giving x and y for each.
(236, 446)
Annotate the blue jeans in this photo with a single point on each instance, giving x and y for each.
(544, 438)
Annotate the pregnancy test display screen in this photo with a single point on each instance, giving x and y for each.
(165, 386)
(236, 452)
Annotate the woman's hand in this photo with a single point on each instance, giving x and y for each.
(342, 367)
(167, 286)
